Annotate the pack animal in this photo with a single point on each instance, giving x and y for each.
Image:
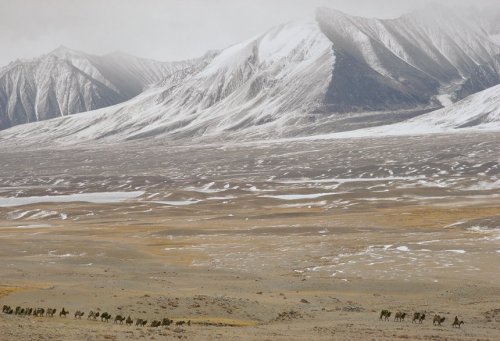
(385, 314)
(63, 312)
(438, 320)
(457, 323)
(399, 316)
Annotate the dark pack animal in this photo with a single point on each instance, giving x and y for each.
(155, 324)
(93, 315)
(129, 321)
(63, 313)
(79, 314)
(141, 322)
(105, 317)
(457, 323)
(52, 311)
(39, 312)
(385, 314)
(399, 316)
(416, 317)
(119, 319)
(166, 322)
(7, 310)
(438, 320)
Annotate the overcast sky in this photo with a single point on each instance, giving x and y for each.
(163, 29)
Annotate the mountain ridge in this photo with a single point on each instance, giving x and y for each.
(64, 82)
(300, 78)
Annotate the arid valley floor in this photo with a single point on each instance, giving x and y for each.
(303, 240)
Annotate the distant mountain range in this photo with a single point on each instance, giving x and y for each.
(66, 82)
(332, 73)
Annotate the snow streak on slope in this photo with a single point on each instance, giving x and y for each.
(66, 82)
(264, 84)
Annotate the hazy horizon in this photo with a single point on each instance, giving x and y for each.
(164, 30)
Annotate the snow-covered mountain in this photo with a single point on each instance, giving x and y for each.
(408, 61)
(480, 111)
(272, 79)
(66, 82)
(299, 79)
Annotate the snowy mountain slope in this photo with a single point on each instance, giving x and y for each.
(478, 112)
(245, 87)
(405, 62)
(66, 82)
(295, 79)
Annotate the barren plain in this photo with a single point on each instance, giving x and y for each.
(298, 240)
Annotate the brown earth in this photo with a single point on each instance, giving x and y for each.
(249, 264)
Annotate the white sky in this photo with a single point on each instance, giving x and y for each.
(163, 29)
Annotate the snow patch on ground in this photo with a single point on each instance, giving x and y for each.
(34, 226)
(297, 196)
(177, 202)
(97, 198)
(445, 100)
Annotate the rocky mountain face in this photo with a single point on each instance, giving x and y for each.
(298, 79)
(66, 82)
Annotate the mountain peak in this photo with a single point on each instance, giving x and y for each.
(62, 51)
(65, 82)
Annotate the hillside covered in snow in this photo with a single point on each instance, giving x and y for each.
(480, 111)
(66, 82)
(331, 73)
